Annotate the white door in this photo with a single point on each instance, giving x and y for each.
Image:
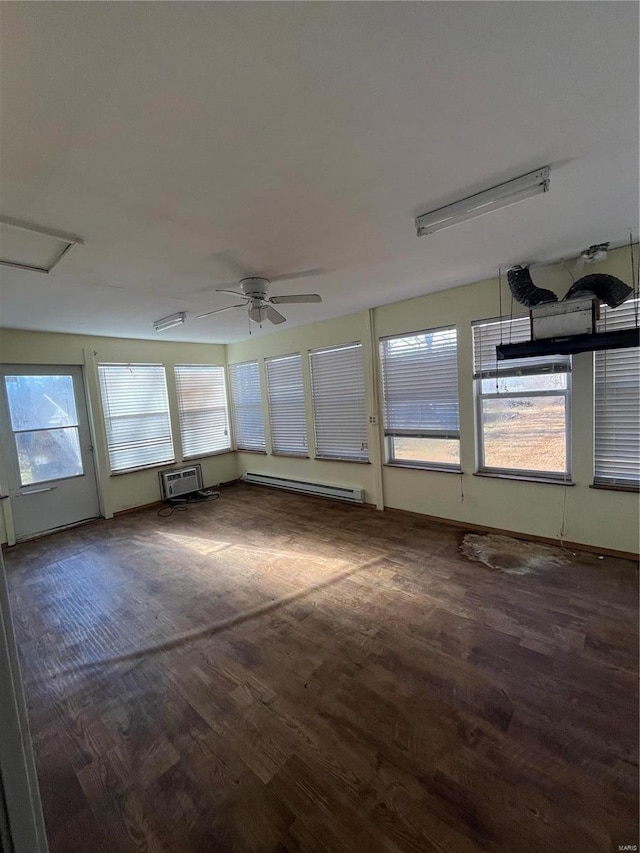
(48, 468)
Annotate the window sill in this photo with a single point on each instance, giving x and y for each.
(342, 459)
(292, 455)
(614, 487)
(524, 478)
(433, 468)
(207, 455)
(248, 450)
(143, 468)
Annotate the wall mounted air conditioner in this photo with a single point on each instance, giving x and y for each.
(179, 482)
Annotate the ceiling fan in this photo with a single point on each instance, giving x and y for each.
(254, 292)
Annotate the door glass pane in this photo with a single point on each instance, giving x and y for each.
(48, 454)
(38, 402)
(525, 433)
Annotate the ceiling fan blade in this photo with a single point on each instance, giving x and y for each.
(301, 297)
(233, 292)
(290, 276)
(273, 315)
(218, 310)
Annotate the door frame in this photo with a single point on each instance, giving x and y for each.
(5, 503)
(23, 819)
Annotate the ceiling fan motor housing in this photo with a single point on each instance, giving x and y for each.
(255, 287)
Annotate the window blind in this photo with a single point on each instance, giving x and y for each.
(136, 415)
(488, 334)
(617, 404)
(339, 406)
(287, 415)
(420, 384)
(246, 399)
(202, 404)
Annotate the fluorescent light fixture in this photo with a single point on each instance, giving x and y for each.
(477, 205)
(170, 322)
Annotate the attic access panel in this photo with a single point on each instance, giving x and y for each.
(27, 247)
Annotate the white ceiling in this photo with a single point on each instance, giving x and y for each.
(179, 139)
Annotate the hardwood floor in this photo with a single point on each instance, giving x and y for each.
(270, 672)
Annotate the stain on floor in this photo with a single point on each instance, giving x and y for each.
(512, 556)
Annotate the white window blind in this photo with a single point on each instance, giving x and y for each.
(287, 417)
(617, 404)
(339, 406)
(136, 415)
(523, 405)
(202, 403)
(420, 386)
(487, 335)
(246, 400)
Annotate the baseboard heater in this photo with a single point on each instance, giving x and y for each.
(341, 493)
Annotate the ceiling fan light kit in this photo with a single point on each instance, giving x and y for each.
(526, 186)
(170, 321)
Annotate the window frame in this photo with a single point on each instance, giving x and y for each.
(607, 323)
(225, 391)
(536, 475)
(446, 435)
(262, 449)
(114, 472)
(303, 453)
(363, 457)
(16, 431)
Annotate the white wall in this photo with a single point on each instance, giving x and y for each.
(121, 491)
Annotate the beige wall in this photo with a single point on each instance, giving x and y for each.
(605, 519)
(578, 513)
(350, 329)
(122, 491)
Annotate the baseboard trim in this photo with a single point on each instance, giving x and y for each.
(46, 533)
(137, 508)
(529, 537)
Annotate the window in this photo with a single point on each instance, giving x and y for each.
(617, 404)
(136, 415)
(339, 407)
(420, 385)
(246, 400)
(44, 421)
(523, 405)
(202, 403)
(287, 415)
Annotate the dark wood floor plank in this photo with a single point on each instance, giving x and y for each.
(272, 673)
